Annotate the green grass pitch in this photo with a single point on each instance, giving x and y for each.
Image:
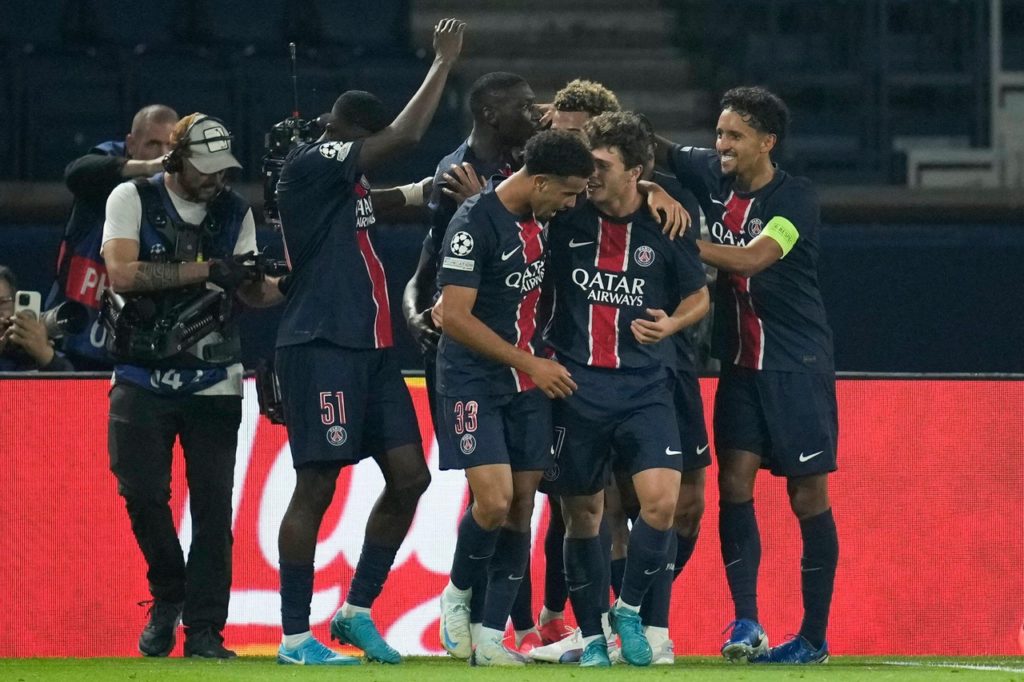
(688, 669)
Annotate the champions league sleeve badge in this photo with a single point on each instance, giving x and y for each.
(462, 243)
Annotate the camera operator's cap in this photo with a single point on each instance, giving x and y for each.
(209, 147)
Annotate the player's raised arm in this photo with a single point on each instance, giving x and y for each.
(410, 125)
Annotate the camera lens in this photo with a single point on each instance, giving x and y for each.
(24, 299)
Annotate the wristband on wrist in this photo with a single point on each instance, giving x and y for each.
(413, 194)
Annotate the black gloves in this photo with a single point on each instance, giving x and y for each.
(233, 272)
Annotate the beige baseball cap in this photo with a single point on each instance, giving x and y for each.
(209, 146)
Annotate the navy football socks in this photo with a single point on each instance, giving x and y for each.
(555, 592)
(296, 595)
(617, 568)
(684, 550)
(372, 570)
(505, 575)
(583, 559)
(818, 574)
(522, 607)
(741, 553)
(658, 600)
(645, 558)
(473, 550)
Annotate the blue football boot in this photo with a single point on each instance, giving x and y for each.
(359, 631)
(796, 651)
(747, 641)
(312, 652)
(595, 654)
(636, 650)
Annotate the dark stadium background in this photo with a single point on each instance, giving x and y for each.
(916, 279)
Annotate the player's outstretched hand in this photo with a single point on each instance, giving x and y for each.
(652, 331)
(552, 378)
(463, 182)
(448, 39)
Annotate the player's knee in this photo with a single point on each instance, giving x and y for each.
(659, 514)
(413, 487)
(689, 512)
(734, 486)
(491, 507)
(808, 496)
(521, 512)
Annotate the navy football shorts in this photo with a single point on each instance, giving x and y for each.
(628, 413)
(789, 419)
(342, 405)
(693, 432)
(512, 429)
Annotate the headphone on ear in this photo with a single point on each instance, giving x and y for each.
(174, 160)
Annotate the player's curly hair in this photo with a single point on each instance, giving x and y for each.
(558, 152)
(762, 110)
(623, 130)
(588, 96)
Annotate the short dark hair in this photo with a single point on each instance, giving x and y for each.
(488, 85)
(7, 275)
(361, 108)
(588, 96)
(558, 152)
(623, 130)
(762, 110)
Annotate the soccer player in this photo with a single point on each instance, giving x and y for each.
(343, 393)
(776, 405)
(504, 118)
(494, 390)
(621, 287)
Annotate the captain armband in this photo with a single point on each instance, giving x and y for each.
(783, 232)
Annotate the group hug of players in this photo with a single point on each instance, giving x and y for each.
(549, 300)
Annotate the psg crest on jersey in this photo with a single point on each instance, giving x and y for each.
(337, 435)
(644, 256)
(754, 227)
(467, 444)
(462, 243)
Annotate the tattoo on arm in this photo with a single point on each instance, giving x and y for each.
(156, 276)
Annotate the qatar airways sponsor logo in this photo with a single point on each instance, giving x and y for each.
(364, 212)
(609, 288)
(723, 235)
(528, 279)
(428, 548)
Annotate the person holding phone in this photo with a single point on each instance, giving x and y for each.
(24, 343)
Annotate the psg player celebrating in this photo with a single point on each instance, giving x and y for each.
(621, 288)
(494, 391)
(343, 393)
(776, 404)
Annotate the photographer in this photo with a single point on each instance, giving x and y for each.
(24, 342)
(166, 239)
(81, 275)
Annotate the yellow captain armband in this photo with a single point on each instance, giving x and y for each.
(783, 232)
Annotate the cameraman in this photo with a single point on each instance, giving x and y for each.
(164, 239)
(81, 275)
(24, 344)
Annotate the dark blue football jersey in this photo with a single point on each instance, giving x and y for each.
(443, 207)
(606, 272)
(501, 255)
(338, 291)
(776, 319)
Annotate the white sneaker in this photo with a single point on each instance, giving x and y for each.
(490, 650)
(566, 650)
(664, 652)
(454, 628)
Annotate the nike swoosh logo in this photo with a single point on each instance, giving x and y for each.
(651, 572)
(670, 452)
(733, 562)
(296, 661)
(448, 643)
(810, 456)
(506, 256)
(481, 558)
(514, 577)
(700, 451)
(716, 201)
(573, 244)
(577, 588)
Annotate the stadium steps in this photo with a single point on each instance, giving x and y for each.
(628, 48)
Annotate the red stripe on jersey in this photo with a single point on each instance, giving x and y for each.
(749, 327)
(530, 236)
(613, 256)
(379, 290)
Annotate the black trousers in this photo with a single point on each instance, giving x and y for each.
(141, 433)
